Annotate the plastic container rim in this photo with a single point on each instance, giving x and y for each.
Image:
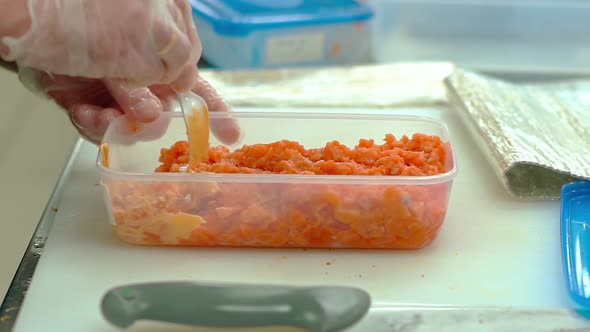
(290, 178)
(227, 26)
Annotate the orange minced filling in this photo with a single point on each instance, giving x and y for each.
(290, 214)
(421, 155)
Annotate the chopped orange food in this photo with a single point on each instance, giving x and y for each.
(283, 214)
(421, 155)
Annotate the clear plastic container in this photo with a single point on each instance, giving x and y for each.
(272, 210)
(269, 34)
(547, 36)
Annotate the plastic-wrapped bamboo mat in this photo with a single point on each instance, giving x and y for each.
(537, 137)
(381, 85)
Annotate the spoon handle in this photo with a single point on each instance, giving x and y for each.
(196, 118)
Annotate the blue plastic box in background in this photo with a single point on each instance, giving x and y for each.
(239, 34)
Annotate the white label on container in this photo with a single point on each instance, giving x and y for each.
(295, 48)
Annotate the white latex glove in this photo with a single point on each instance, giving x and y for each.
(99, 59)
(140, 42)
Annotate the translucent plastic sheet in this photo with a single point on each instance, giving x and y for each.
(382, 85)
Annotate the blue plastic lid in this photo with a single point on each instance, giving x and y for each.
(240, 17)
(575, 240)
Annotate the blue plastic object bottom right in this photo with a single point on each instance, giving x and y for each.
(575, 241)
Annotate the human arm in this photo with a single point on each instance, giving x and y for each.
(14, 22)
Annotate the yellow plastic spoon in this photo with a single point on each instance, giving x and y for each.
(196, 118)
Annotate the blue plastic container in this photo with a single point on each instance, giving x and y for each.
(282, 33)
(575, 241)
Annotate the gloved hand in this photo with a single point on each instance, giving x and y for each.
(91, 104)
(140, 42)
(100, 59)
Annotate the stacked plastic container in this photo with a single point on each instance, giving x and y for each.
(283, 33)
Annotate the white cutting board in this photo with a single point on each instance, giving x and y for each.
(492, 251)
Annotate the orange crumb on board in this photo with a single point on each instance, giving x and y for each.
(303, 215)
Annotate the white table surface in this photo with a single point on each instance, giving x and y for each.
(36, 138)
(492, 251)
